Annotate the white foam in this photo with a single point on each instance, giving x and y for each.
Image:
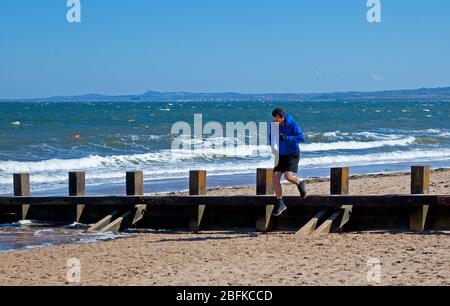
(38, 246)
(378, 158)
(332, 134)
(90, 238)
(42, 233)
(24, 222)
(437, 132)
(124, 161)
(358, 145)
(434, 131)
(76, 225)
(365, 135)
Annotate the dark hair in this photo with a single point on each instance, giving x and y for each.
(278, 112)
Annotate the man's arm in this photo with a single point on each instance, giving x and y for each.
(298, 135)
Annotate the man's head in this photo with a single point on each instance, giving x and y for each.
(279, 116)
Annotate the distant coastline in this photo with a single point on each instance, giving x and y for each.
(439, 93)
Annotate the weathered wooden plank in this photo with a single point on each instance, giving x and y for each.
(197, 186)
(77, 187)
(103, 222)
(312, 225)
(420, 184)
(339, 184)
(126, 220)
(134, 187)
(332, 201)
(114, 226)
(264, 186)
(21, 183)
(329, 224)
(335, 222)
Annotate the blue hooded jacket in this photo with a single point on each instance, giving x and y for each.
(293, 136)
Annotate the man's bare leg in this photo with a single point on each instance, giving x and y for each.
(291, 178)
(277, 184)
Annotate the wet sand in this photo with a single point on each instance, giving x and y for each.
(246, 258)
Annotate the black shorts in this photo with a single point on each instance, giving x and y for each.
(288, 163)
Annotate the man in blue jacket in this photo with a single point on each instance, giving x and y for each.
(289, 156)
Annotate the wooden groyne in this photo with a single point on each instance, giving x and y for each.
(314, 215)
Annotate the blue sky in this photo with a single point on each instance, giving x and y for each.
(128, 47)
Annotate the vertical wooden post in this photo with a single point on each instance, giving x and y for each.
(420, 184)
(197, 186)
(135, 183)
(339, 184)
(77, 187)
(135, 187)
(264, 186)
(22, 189)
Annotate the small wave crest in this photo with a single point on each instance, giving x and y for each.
(358, 145)
(378, 158)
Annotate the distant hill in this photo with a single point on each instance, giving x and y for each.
(441, 93)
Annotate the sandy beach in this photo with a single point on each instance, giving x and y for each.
(247, 258)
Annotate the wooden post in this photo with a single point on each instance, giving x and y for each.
(339, 185)
(135, 187)
(22, 189)
(135, 183)
(420, 184)
(77, 187)
(264, 186)
(197, 186)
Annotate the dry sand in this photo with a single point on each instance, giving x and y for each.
(241, 258)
